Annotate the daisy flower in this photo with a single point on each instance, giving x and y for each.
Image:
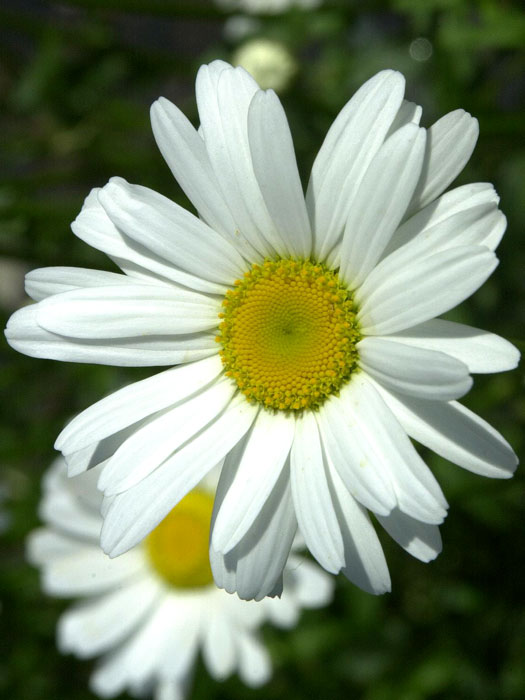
(152, 610)
(267, 6)
(304, 331)
(268, 61)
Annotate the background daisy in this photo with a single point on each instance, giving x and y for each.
(267, 6)
(150, 612)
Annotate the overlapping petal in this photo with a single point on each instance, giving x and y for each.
(95, 313)
(224, 95)
(135, 512)
(171, 232)
(365, 563)
(408, 113)
(479, 350)
(315, 511)
(387, 456)
(421, 292)
(456, 433)
(275, 168)
(427, 374)
(451, 141)
(462, 206)
(380, 202)
(104, 622)
(136, 401)
(185, 153)
(254, 567)
(421, 540)
(94, 226)
(46, 281)
(156, 441)
(25, 334)
(256, 473)
(348, 149)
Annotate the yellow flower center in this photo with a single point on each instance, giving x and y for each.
(289, 334)
(178, 547)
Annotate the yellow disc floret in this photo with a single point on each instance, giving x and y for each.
(288, 334)
(178, 547)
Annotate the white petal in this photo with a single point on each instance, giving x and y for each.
(254, 567)
(481, 351)
(276, 171)
(96, 625)
(46, 281)
(44, 546)
(171, 232)
(109, 677)
(266, 450)
(421, 292)
(495, 234)
(470, 227)
(390, 454)
(458, 200)
(185, 153)
(242, 614)
(450, 215)
(421, 540)
(136, 661)
(89, 571)
(83, 488)
(134, 513)
(456, 434)
(130, 311)
(450, 143)
(95, 227)
(408, 113)
(24, 334)
(61, 509)
(282, 612)
(219, 644)
(182, 617)
(425, 373)
(314, 509)
(418, 492)
(255, 668)
(352, 452)
(94, 457)
(352, 141)
(380, 202)
(312, 587)
(223, 98)
(365, 562)
(136, 401)
(167, 689)
(151, 445)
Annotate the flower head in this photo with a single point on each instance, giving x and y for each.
(304, 331)
(268, 61)
(267, 6)
(150, 611)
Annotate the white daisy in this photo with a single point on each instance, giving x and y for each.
(267, 6)
(268, 61)
(328, 354)
(152, 610)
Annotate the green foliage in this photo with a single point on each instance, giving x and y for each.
(76, 82)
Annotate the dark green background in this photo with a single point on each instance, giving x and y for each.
(76, 82)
